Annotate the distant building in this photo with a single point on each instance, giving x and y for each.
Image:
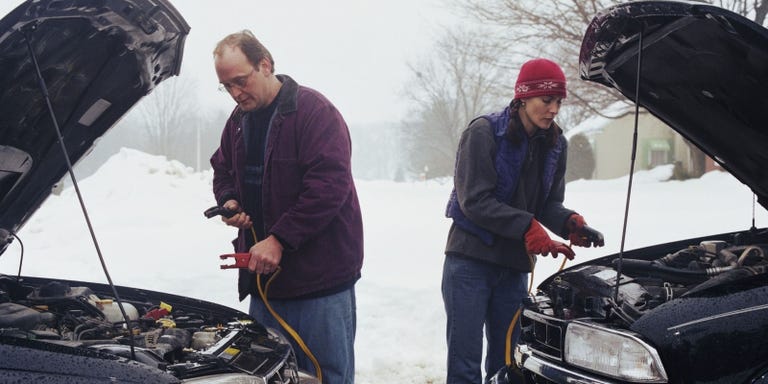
(657, 144)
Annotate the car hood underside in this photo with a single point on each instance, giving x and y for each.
(704, 72)
(96, 60)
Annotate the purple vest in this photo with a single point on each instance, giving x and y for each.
(508, 164)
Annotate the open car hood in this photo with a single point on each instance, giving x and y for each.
(704, 73)
(97, 60)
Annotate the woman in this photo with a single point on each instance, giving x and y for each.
(509, 180)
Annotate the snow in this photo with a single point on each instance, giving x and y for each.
(148, 218)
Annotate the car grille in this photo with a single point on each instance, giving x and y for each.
(543, 334)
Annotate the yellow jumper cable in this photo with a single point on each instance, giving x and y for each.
(283, 323)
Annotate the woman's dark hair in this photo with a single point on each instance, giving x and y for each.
(515, 130)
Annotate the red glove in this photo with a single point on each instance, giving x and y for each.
(581, 234)
(537, 241)
(575, 224)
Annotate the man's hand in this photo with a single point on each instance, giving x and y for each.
(239, 220)
(537, 242)
(265, 255)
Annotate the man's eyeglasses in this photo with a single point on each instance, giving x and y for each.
(239, 82)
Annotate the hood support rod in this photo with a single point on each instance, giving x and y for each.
(632, 163)
(27, 32)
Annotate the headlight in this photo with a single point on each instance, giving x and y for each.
(619, 355)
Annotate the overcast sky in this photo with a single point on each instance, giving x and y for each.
(353, 51)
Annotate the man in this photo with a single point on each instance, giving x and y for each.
(284, 165)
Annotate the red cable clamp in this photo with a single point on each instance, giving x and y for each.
(241, 260)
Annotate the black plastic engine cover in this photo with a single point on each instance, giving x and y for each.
(585, 292)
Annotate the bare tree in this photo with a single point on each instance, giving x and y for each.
(754, 9)
(167, 114)
(515, 31)
(532, 28)
(447, 91)
(551, 29)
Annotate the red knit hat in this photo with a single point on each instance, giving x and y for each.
(540, 77)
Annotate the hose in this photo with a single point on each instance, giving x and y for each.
(746, 254)
(283, 323)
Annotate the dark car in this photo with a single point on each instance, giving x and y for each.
(69, 70)
(690, 311)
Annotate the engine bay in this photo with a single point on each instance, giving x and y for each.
(186, 341)
(645, 283)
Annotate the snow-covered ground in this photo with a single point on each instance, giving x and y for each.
(148, 216)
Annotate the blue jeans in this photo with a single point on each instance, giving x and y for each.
(326, 324)
(477, 295)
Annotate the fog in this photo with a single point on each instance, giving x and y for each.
(355, 52)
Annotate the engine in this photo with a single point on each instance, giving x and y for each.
(182, 342)
(644, 284)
